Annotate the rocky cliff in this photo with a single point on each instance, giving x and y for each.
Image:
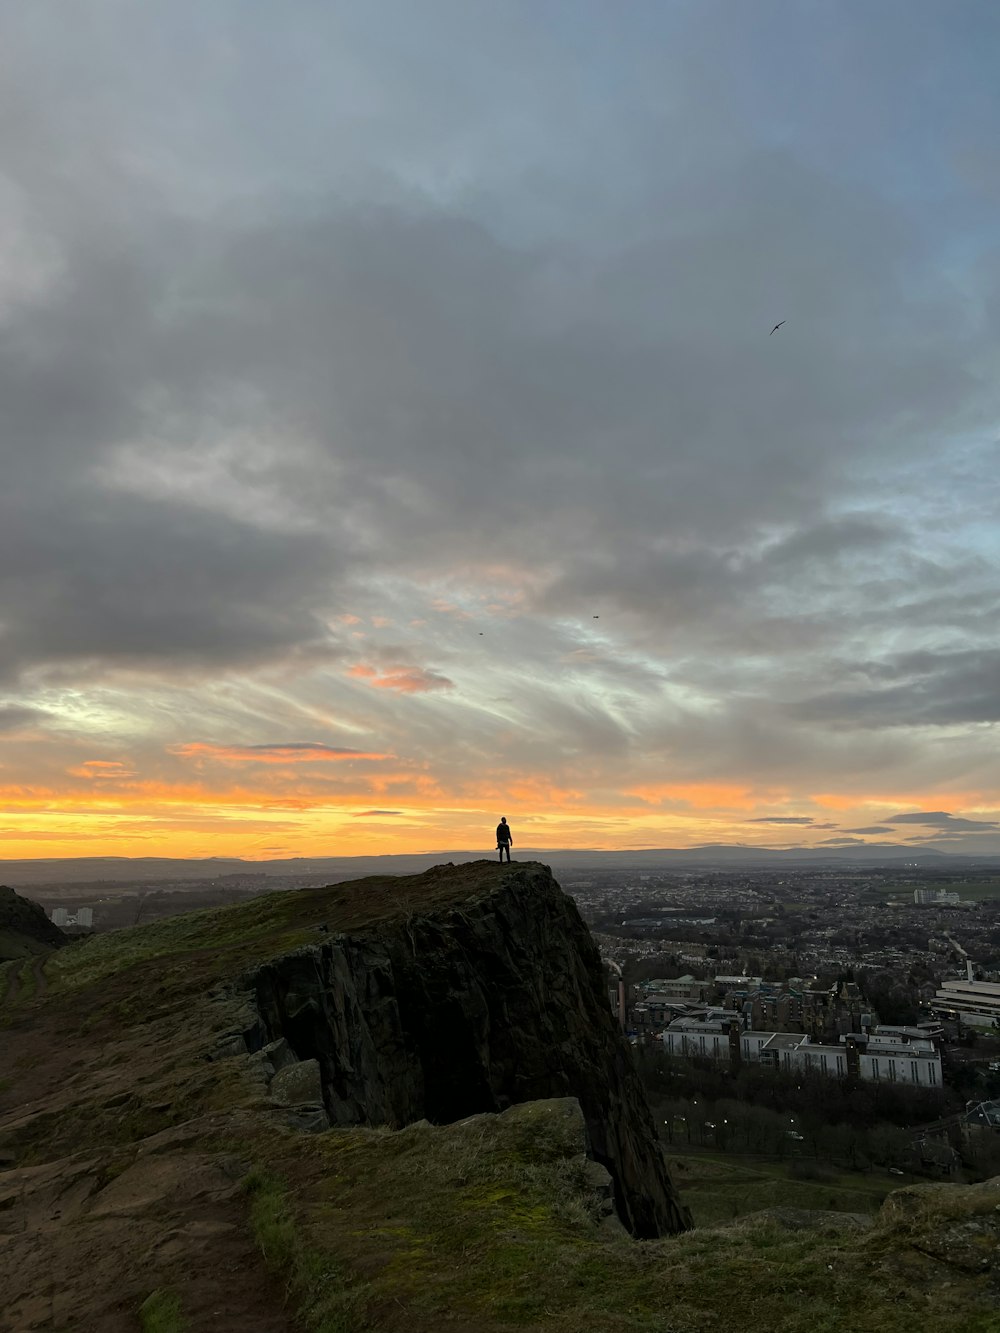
(495, 998)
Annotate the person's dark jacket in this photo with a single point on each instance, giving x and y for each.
(503, 833)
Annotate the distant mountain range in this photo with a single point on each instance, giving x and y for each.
(730, 856)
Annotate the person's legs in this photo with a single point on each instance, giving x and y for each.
(500, 850)
(506, 848)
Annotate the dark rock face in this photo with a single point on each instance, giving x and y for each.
(496, 1000)
(24, 927)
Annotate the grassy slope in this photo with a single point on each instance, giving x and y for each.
(482, 1226)
(720, 1188)
(468, 1226)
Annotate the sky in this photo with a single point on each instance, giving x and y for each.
(393, 437)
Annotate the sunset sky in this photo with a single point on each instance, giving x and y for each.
(393, 439)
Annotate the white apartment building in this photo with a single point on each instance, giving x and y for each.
(939, 896)
(873, 1056)
(977, 1003)
(84, 917)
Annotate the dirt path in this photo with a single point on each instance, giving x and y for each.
(80, 1251)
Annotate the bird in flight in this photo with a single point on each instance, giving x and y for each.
(597, 617)
(776, 328)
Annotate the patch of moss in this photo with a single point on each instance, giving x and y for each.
(327, 1302)
(160, 1312)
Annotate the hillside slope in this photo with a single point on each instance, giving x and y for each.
(163, 1108)
(25, 930)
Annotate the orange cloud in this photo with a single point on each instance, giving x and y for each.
(300, 752)
(403, 679)
(697, 795)
(954, 801)
(102, 768)
(446, 608)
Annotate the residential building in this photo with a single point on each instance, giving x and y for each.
(873, 1056)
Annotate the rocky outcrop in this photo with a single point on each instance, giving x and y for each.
(24, 927)
(494, 998)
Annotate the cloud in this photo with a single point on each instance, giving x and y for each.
(362, 814)
(301, 752)
(841, 842)
(940, 689)
(103, 770)
(402, 679)
(53, 836)
(781, 819)
(873, 828)
(15, 716)
(941, 819)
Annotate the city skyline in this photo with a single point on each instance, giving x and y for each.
(580, 414)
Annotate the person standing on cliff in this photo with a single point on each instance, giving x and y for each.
(504, 837)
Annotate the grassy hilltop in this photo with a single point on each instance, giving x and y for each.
(149, 1181)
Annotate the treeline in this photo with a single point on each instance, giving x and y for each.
(739, 1127)
(813, 1098)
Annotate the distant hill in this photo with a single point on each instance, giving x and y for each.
(24, 927)
(121, 869)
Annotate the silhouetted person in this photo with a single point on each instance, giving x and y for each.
(504, 837)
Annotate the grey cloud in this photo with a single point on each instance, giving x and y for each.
(782, 819)
(941, 819)
(355, 331)
(926, 689)
(851, 535)
(874, 828)
(15, 716)
(841, 842)
(150, 584)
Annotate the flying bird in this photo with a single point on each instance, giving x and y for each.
(597, 617)
(776, 328)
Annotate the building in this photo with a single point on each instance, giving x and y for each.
(923, 897)
(982, 1115)
(683, 988)
(874, 1056)
(825, 1014)
(975, 1003)
(84, 917)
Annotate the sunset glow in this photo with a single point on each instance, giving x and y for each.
(406, 445)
